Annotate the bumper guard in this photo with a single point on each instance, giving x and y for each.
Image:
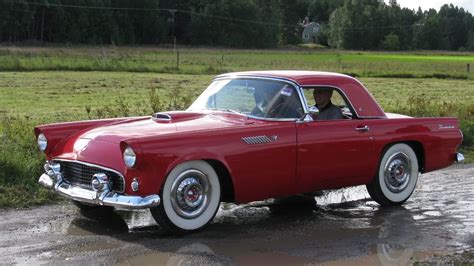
(52, 179)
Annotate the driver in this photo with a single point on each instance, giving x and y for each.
(327, 110)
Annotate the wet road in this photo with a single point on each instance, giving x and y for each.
(344, 227)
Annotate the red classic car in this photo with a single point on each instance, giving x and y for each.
(249, 136)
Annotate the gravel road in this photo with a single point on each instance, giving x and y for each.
(345, 227)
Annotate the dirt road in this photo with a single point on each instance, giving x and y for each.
(344, 227)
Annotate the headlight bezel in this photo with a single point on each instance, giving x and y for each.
(129, 157)
(42, 142)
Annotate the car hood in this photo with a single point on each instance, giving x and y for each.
(164, 123)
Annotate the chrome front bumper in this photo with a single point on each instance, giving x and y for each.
(459, 157)
(52, 179)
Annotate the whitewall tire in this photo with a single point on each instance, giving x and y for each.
(190, 198)
(396, 177)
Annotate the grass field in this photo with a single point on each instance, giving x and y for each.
(29, 98)
(212, 61)
(44, 95)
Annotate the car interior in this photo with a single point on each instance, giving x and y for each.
(337, 99)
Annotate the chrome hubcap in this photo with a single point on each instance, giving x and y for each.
(190, 194)
(397, 172)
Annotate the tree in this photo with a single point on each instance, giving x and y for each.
(293, 11)
(453, 26)
(391, 42)
(245, 23)
(427, 33)
(356, 24)
(337, 23)
(347, 24)
(321, 10)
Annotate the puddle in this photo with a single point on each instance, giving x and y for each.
(199, 253)
(192, 254)
(339, 227)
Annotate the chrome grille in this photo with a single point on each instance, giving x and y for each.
(80, 174)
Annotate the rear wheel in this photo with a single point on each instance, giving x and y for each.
(396, 177)
(190, 198)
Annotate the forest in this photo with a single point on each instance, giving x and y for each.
(345, 24)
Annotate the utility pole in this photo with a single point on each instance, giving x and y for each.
(173, 12)
(42, 24)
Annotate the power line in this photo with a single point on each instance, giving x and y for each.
(379, 27)
(160, 10)
(96, 7)
(189, 12)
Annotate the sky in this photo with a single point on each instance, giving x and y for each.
(436, 4)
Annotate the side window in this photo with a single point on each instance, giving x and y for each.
(285, 104)
(330, 102)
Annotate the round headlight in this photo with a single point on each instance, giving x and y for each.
(42, 142)
(129, 157)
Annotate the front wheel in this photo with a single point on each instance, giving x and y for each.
(397, 176)
(190, 198)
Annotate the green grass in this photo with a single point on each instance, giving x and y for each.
(121, 82)
(213, 61)
(51, 95)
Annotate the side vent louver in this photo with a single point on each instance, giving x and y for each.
(259, 139)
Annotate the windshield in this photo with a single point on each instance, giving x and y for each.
(252, 97)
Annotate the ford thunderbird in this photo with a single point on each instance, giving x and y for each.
(249, 136)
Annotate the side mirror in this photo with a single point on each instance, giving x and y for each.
(312, 111)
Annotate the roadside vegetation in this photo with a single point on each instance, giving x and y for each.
(32, 98)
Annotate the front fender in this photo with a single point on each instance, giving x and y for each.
(59, 133)
(156, 166)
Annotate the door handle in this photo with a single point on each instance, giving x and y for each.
(362, 128)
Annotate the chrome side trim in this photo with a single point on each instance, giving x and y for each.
(372, 117)
(273, 119)
(105, 198)
(94, 165)
(269, 77)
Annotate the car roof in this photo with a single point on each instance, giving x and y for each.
(301, 77)
(362, 101)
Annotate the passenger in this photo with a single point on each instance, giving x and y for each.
(327, 110)
(262, 97)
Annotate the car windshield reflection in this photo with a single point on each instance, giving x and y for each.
(259, 98)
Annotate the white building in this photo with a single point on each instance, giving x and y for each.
(310, 31)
